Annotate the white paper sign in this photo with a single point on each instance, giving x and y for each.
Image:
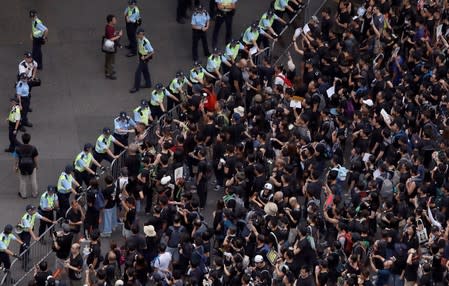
(330, 91)
(306, 29)
(439, 30)
(295, 104)
(297, 33)
(253, 51)
(385, 116)
(178, 173)
(366, 157)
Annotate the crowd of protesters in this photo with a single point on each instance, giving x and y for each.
(331, 172)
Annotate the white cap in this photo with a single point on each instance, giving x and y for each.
(165, 180)
(268, 186)
(368, 102)
(258, 258)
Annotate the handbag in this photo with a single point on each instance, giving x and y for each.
(34, 82)
(139, 22)
(107, 46)
(421, 232)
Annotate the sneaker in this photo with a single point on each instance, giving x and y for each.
(7, 150)
(133, 90)
(20, 196)
(113, 77)
(131, 55)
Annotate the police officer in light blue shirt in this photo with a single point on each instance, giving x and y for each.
(123, 125)
(23, 93)
(200, 25)
(146, 53)
(132, 17)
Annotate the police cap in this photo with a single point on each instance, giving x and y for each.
(30, 207)
(8, 228)
(51, 188)
(123, 115)
(33, 13)
(140, 30)
(28, 54)
(106, 130)
(131, 2)
(87, 146)
(159, 86)
(68, 169)
(144, 103)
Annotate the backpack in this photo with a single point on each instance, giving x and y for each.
(386, 189)
(98, 197)
(26, 162)
(287, 82)
(348, 243)
(174, 236)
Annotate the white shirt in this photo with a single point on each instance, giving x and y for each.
(27, 68)
(162, 261)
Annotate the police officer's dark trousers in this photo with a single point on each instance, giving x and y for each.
(83, 177)
(142, 68)
(25, 236)
(212, 8)
(181, 10)
(131, 29)
(43, 224)
(25, 100)
(4, 259)
(99, 157)
(64, 203)
(171, 103)
(156, 111)
(37, 51)
(198, 35)
(122, 139)
(227, 18)
(12, 136)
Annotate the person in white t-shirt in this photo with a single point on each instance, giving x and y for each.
(162, 261)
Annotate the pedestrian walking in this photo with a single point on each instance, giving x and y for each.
(146, 53)
(142, 113)
(200, 25)
(23, 94)
(67, 185)
(103, 146)
(157, 100)
(112, 35)
(13, 120)
(225, 14)
(26, 165)
(83, 162)
(48, 204)
(5, 239)
(133, 20)
(123, 125)
(39, 33)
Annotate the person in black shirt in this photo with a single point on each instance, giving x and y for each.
(41, 273)
(75, 217)
(236, 77)
(75, 266)
(129, 204)
(62, 242)
(26, 165)
(109, 219)
(201, 177)
(94, 258)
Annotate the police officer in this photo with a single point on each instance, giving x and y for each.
(196, 76)
(66, 186)
(251, 36)
(157, 100)
(177, 88)
(23, 94)
(47, 205)
(214, 63)
(231, 52)
(27, 225)
(200, 25)
(146, 53)
(39, 35)
(83, 162)
(280, 7)
(5, 239)
(266, 23)
(13, 124)
(142, 114)
(28, 66)
(133, 20)
(225, 13)
(103, 146)
(123, 125)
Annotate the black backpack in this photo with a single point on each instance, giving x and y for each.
(26, 161)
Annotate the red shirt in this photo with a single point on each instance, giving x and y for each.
(109, 32)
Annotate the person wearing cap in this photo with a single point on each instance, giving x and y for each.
(13, 120)
(146, 53)
(281, 5)
(28, 66)
(177, 88)
(133, 20)
(251, 36)
(225, 13)
(66, 186)
(103, 146)
(142, 113)
(27, 224)
(200, 25)
(5, 239)
(157, 100)
(196, 76)
(266, 23)
(112, 35)
(83, 163)
(123, 125)
(214, 63)
(231, 52)
(23, 94)
(39, 34)
(47, 205)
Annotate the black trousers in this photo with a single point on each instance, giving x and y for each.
(202, 193)
(212, 8)
(25, 236)
(25, 108)
(181, 9)
(4, 259)
(82, 177)
(122, 139)
(99, 157)
(43, 224)
(171, 103)
(156, 111)
(223, 17)
(142, 68)
(12, 136)
(131, 29)
(64, 203)
(37, 51)
(198, 35)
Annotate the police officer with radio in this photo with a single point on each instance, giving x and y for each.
(13, 120)
(67, 185)
(28, 66)
(47, 205)
(39, 33)
(103, 146)
(214, 63)
(142, 114)
(146, 53)
(23, 94)
(5, 239)
(157, 100)
(266, 23)
(200, 25)
(196, 76)
(83, 162)
(177, 88)
(123, 125)
(133, 20)
(231, 52)
(225, 13)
